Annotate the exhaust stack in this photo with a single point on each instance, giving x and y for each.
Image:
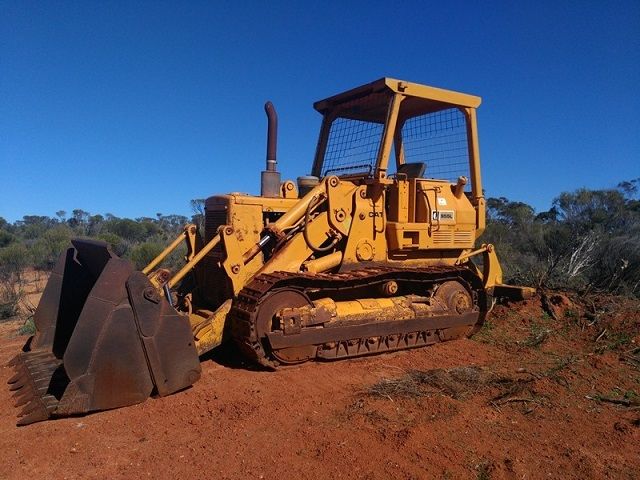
(270, 178)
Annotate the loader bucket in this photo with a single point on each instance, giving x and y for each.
(105, 338)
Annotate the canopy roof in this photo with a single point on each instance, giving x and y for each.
(369, 102)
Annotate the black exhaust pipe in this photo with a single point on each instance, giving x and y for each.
(270, 178)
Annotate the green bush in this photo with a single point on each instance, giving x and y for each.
(10, 296)
(589, 239)
(46, 249)
(126, 228)
(28, 327)
(142, 254)
(13, 260)
(6, 238)
(118, 245)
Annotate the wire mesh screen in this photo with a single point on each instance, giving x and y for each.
(355, 135)
(352, 147)
(438, 139)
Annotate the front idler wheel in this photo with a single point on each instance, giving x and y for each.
(457, 300)
(269, 320)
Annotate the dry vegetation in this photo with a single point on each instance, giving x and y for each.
(559, 365)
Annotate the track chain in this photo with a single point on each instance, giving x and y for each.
(245, 307)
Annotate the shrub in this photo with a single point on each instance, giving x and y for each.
(10, 296)
(142, 254)
(117, 244)
(46, 249)
(13, 259)
(126, 228)
(28, 328)
(5, 238)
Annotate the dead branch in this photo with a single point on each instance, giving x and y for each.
(518, 399)
(617, 401)
(601, 335)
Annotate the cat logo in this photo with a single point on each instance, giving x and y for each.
(443, 215)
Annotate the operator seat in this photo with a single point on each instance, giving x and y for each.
(412, 170)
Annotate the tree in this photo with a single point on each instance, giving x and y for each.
(588, 239)
(94, 225)
(588, 209)
(5, 238)
(512, 213)
(143, 253)
(13, 260)
(630, 188)
(45, 250)
(126, 228)
(197, 207)
(172, 224)
(79, 221)
(117, 244)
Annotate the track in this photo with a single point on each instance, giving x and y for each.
(266, 343)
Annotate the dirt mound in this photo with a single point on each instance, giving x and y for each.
(532, 395)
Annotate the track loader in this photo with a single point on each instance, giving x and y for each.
(373, 252)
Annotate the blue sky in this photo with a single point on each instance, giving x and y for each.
(134, 108)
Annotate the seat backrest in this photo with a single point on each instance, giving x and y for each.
(412, 170)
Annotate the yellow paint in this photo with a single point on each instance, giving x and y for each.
(208, 327)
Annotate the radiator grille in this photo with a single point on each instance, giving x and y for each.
(442, 237)
(459, 239)
(464, 238)
(213, 219)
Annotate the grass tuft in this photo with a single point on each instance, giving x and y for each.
(28, 327)
(10, 296)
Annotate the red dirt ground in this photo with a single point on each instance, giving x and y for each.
(535, 404)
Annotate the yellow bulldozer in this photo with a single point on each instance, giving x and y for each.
(373, 252)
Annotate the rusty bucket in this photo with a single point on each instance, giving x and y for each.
(105, 338)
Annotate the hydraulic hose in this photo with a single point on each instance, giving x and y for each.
(307, 218)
